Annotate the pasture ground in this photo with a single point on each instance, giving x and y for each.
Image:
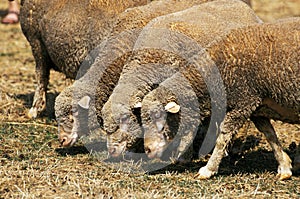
(32, 164)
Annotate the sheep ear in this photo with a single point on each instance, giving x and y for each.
(172, 107)
(85, 102)
(138, 105)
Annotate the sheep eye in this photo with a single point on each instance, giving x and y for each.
(74, 108)
(108, 131)
(156, 114)
(124, 118)
(71, 118)
(74, 111)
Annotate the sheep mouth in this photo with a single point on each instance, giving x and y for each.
(116, 151)
(68, 141)
(114, 155)
(152, 155)
(155, 152)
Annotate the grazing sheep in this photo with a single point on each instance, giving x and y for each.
(156, 60)
(260, 69)
(260, 66)
(171, 111)
(168, 113)
(75, 107)
(62, 33)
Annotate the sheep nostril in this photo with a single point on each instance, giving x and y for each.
(111, 150)
(147, 150)
(62, 141)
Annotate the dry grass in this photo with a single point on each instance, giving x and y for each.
(270, 10)
(34, 166)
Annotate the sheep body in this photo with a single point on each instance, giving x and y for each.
(198, 25)
(62, 33)
(110, 57)
(248, 60)
(257, 55)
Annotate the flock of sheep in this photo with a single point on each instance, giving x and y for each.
(154, 75)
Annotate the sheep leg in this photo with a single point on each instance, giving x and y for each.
(184, 151)
(297, 160)
(42, 75)
(230, 126)
(186, 156)
(264, 125)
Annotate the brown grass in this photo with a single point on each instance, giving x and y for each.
(32, 165)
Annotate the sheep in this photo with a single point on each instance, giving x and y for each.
(277, 55)
(164, 127)
(62, 33)
(248, 59)
(155, 60)
(75, 107)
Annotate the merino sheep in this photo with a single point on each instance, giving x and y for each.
(248, 60)
(169, 112)
(62, 33)
(156, 60)
(260, 69)
(75, 107)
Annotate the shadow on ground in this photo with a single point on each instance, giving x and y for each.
(257, 161)
(245, 160)
(72, 151)
(82, 149)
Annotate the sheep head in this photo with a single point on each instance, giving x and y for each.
(123, 128)
(72, 117)
(158, 133)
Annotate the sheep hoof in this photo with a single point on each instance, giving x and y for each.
(181, 161)
(283, 176)
(204, 173)
(32, 114)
